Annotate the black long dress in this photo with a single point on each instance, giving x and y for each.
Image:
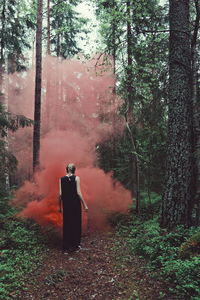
(71, 213)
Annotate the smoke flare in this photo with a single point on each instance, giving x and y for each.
(78, 112)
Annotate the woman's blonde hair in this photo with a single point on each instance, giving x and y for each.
(70, 168)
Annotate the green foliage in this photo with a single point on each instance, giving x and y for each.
(147, 109)
(149, 205)
(191, 247)
(8, 161)
(21, 250)
(66, 27)
(15, 27)
(11, 121)
(161, 250)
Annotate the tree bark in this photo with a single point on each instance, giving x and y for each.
(179, 189)
(48, 28)
(135, 169)
(3, 22)
(4, 87)
(129, 83)
(114, 47)
(58, 45)
(129, 57)
(38, 80)
(48, 80)
(196, 111)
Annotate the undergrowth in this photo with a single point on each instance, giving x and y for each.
(21, 251)
(163, 251)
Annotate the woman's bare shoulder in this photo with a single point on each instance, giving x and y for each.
(77, 178)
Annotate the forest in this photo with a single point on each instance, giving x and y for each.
(113, 87)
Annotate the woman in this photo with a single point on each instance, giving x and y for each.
(70, 199)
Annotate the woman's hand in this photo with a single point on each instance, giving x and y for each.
(86, 208)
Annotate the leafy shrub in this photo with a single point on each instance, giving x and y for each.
(190, 247)
(161, 249)
(21, 250)
(185, 275)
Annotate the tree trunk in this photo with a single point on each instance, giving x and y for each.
(2, 45)
(3, 22)
(38, 79)
(114, 25)
(196, 110)
(179, 189)
(48, 80)
(4, 101)
(129, 83)
(129, 58)
(58, 45)
(4, 87)
(114, 48)
(48, 28)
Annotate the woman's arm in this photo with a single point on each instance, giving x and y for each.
(59, 197)
(79, 192)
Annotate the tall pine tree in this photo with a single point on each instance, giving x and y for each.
(179, 190)
(38, 82)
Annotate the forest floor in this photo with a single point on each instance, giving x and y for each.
(98, 271)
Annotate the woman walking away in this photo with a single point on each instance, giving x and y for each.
(70, 198)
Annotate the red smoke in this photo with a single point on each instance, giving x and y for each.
(78, 112)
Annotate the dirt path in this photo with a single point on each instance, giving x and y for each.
(96, 272)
